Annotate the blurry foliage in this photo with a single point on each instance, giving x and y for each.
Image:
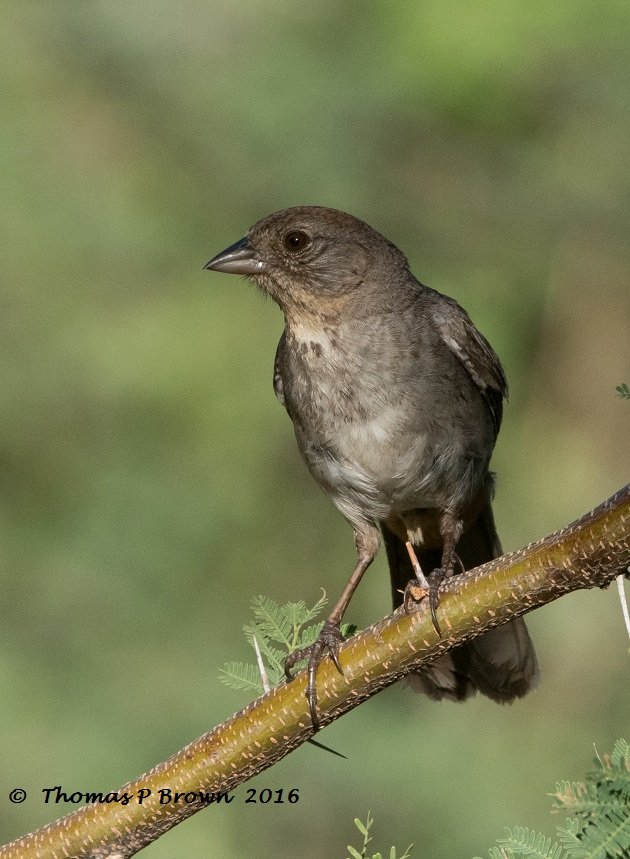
(364, 829)
(600, 827)
(150, 483)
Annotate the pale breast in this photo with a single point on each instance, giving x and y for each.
(371, 447)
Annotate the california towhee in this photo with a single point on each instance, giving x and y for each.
(396, 401)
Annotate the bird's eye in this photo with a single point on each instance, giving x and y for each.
(296, 241)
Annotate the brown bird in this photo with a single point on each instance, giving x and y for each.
(396, 401)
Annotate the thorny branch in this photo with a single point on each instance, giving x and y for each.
(589, 553)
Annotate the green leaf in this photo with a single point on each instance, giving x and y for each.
(309, 634)
(240, 675)
(361, 826)
(277, 630)
(600, 827)
(620, 758)
(522, 841)
(316, 610)
(271, 621)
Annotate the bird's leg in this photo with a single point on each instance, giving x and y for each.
(367, 542)
(416, 589)
(451, 527)
(415, 563)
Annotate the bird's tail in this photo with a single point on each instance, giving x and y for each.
(502, 662)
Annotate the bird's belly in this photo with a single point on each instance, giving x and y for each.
(374, 468)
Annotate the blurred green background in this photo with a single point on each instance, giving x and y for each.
(150, 481)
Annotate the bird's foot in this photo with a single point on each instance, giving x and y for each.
(417, 590)
(413, 595)
(436, 578)
(327, 643)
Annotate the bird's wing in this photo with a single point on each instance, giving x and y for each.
(459, 333)
(278, 385)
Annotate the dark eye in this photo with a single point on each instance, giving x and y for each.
(296, 241)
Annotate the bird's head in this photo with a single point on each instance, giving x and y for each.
(313, 260)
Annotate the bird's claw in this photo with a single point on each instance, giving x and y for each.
(328, 642)
(415, 593)
(435, 579)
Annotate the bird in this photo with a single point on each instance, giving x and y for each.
(396, 401)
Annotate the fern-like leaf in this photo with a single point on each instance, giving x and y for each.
(308, 635)
(521, 841)
(275, 655)
(241, 675)
(498, 853)
(607, 836)
(576, 796)
(315, 610)
(600, 825)
(271, 620)
(276, 631)
(570, 839)
(620, 758)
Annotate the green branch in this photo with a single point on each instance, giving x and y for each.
(591, 552)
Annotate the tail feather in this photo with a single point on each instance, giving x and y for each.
(502, 662)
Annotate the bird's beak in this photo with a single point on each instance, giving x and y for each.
(239, 258)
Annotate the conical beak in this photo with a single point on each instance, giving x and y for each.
(239, 258)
